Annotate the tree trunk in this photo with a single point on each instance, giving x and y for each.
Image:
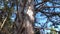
(26, 17)
(30, 18)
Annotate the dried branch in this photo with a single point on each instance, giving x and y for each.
(45, 28)
(51, 7)
(43, 1)
(39, 3)
(54, 2)
(3, 22)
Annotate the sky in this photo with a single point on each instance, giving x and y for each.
(42, 19)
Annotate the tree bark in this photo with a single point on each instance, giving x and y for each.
(26, 19)
(29, 18)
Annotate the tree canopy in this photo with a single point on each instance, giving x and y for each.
(29, 16)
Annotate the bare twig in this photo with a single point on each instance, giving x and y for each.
(3, 22)
(45, 28)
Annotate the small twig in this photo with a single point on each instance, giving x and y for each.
(3, 22)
